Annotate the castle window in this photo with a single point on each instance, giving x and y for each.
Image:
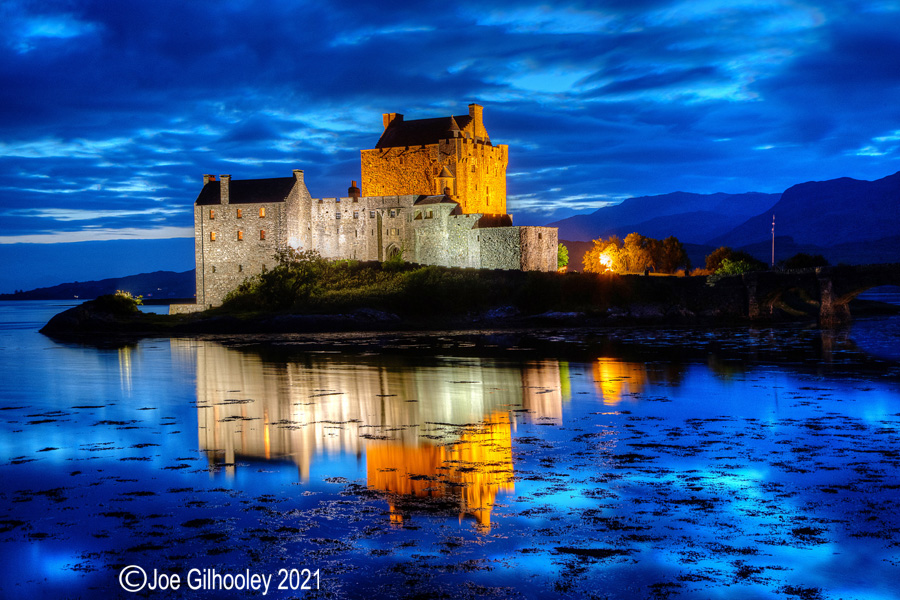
(540, 236)
(240, 236)
(262, 212)
(355, 214)
(320, 201)
(418, 214)
(240, 268)
(240, 214)
(337, 215)
(371, 214)
(212, 236)
(262, 234)
(212, 214)
(214, 269)
(393, 213)
(429, 214)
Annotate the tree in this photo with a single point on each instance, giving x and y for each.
(735, 267)
(604, 256)
(562, 256)
(802, 260)
(636, 253)
(715, 258)
(669, 255)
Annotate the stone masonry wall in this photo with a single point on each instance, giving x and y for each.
(245, 243)
(499, 247)
(540, 246)
(368, 228)
(478, 169)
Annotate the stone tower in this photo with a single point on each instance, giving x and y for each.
(432, 156)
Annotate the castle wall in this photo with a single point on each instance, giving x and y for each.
(478, 169)
(499, 247)
(540, 246)
(243, 246)
(368, 228)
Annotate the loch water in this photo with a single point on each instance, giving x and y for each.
(632, 463)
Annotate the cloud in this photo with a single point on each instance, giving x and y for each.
(111, 112)
(99, 235)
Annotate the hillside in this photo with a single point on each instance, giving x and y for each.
(692, 218)
(830, 213)
(159, 285)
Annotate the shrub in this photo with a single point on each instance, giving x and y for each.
(735, 267)
(120, 303)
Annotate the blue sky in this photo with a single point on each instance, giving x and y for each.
(112, 111)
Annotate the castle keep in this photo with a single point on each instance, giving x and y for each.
(432, 189)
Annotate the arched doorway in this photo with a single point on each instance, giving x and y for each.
(393, 251)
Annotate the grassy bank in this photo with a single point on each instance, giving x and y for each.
(310, 284)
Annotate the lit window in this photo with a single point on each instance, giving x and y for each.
(262, 234)
(212, 214)
(262, 212)
(240, 236)
(240, 214)
(212, 236)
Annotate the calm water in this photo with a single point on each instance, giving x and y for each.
(745, 463)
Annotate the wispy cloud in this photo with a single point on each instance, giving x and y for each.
(99, 235)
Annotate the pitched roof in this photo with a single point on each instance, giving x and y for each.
(419, 132)
(248, 191)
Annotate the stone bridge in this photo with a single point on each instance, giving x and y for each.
(827, 290)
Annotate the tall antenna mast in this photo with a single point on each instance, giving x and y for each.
(773, 241)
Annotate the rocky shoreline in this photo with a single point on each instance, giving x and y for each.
(91, 319)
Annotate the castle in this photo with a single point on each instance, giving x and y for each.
(433, 190)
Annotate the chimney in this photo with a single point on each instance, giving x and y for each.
(208, 178)
(353, 191)
(389, 118)
(475, 111)
(298, 175)
(223, 188)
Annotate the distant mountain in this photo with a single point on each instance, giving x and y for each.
(29, 266)
(826, 214)
(692, 218)
(159, 285)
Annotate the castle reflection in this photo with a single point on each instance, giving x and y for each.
(437, 429)
(616, 380)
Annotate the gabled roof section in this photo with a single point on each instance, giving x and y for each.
(248, 191)
(420, 132)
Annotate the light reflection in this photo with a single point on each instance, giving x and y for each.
(442, 430)
(471, 471)
(615, 379)
(125, 369)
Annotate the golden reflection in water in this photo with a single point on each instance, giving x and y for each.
(471, 470)
(125, 367)
(615, 379)
(320, 405)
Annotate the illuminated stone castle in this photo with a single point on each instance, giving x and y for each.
(433, 190)
(446, 156)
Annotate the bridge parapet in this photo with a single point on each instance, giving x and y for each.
(822, 292)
